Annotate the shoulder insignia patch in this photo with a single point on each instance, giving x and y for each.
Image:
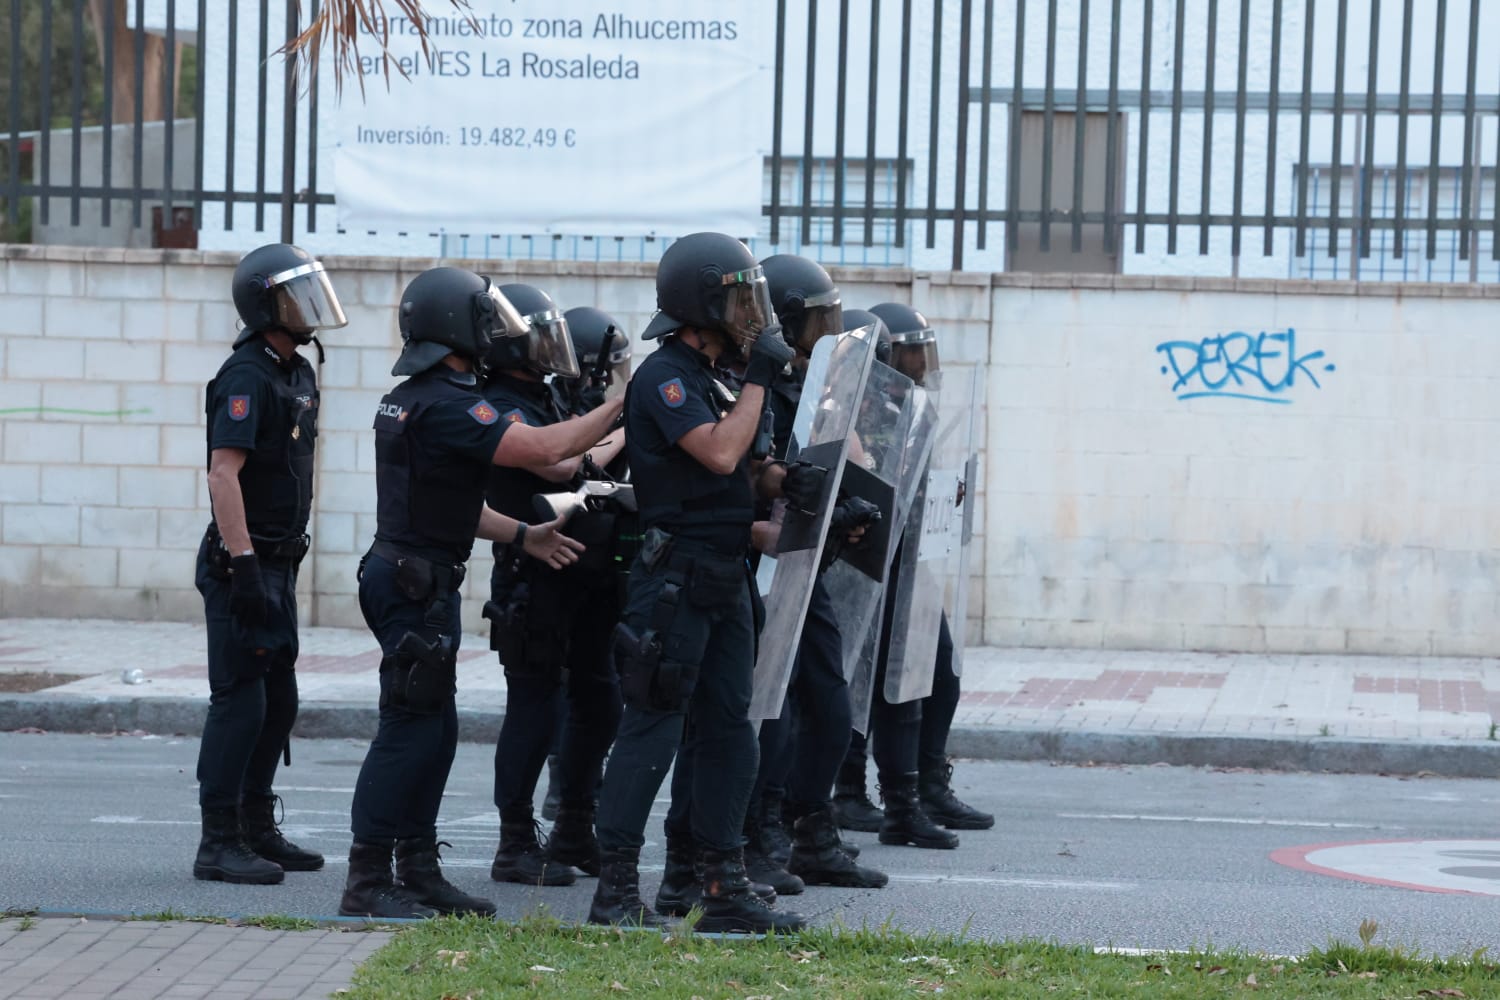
(672, 392)
(484, 413)
(239, 407)
(515, 416)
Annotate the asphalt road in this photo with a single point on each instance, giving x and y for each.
(1133, 857)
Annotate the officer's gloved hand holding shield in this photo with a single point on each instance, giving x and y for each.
(803, 485)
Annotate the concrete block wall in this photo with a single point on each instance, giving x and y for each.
(1346, 509)
(1351, 515)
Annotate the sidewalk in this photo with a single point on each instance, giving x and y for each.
(50, 957)
(1369, 714)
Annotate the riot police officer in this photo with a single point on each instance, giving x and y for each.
(910, 739)
(685, 648)
(808, 304)
(603, 351)
(551, 627)
(262, 421)
(436, 439)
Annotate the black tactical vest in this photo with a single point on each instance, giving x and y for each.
(427, 502)
(673, 489)
(277, 477)
(511, 489)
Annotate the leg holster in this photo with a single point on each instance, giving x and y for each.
(420, 676)
(659, 668)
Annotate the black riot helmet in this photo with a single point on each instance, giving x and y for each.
(805, 299)
(710, 281)
(544, 345)
(281, 287)
(854, 319)
(595, 331)
(447, 310)
(913, 343)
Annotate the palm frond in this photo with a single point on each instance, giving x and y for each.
(338, 24)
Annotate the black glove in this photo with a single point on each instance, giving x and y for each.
(768, 356)
(590, 397)
(247, 591)
(852, 513)
(803, 485)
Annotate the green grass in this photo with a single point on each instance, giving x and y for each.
(473, 958)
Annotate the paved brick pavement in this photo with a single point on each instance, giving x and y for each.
(1029, 690)
(55, 957)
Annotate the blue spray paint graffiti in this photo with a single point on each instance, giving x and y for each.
(1261, 368)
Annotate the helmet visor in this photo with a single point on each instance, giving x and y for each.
(821, 315)
(497, 317)
(303, 299)
(917, 360)
(747, 304)
(550, 347)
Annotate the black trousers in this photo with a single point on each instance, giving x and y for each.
(911, 736)
(563, 662)
(400, 785)
(718, 751)
(252, 683)
(800, 752)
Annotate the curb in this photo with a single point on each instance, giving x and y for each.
(331, 720)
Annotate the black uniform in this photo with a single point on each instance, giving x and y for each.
(690, 587)
(435, 439)
(553, 631)
(267, 407)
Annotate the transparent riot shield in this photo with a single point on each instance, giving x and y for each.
(889, 447)
(932, 567)
(958, 586)
(832, 390)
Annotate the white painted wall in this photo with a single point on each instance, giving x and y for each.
(1355, 516)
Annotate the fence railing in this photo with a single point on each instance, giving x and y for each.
(1029, 134)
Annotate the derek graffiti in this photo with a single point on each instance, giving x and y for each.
(1259, 367)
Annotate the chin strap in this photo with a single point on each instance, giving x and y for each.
(322, 355)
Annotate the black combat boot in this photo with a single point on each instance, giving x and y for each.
(681, 886)
(370, 890)
(905, 822)
(420, 874)
(775, 826)
(263, 834)
(522, 858)
(851, 802)
(936, 789)
(728, 904)
(819, 859)
(553, 801)
(572, 841)
(760, 860)
(617, 897)
(223, 855)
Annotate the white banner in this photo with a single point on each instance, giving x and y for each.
(562, 116)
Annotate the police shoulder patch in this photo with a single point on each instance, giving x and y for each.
(239, 407)
(515, 416)
(673, 393)
(483, 412)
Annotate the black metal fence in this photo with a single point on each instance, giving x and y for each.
(1028, 134)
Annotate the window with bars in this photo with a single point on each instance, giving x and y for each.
(1387, 194)
(808, 188)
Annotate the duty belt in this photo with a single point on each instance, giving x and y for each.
(446, 576)
(289, 549)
